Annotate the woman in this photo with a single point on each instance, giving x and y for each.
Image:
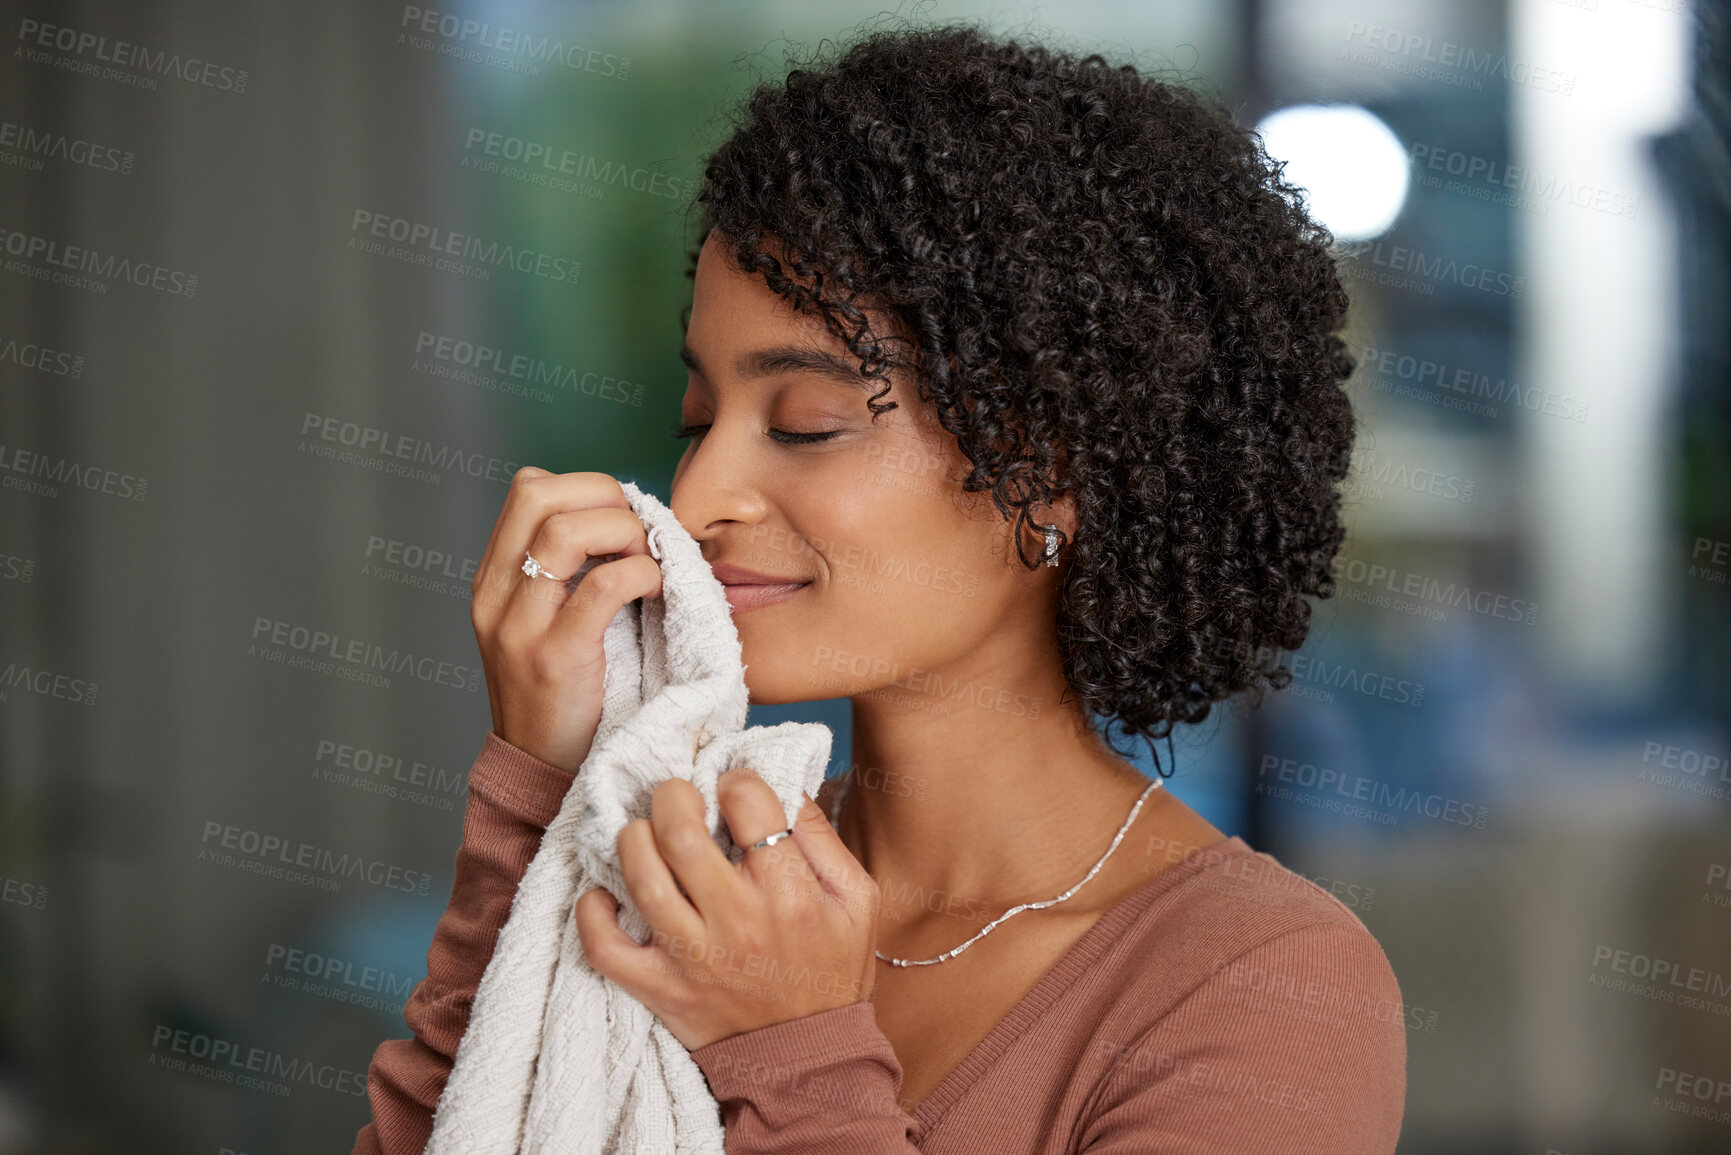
(964, 307)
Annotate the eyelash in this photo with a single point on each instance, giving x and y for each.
(785, 436)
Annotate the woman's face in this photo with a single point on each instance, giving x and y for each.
(907, 582)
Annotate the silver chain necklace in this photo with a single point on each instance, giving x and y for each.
(835, 811)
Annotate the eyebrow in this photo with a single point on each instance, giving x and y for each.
(777, 359)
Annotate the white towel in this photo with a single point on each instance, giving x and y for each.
(558, 1058)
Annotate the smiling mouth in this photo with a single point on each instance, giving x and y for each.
(746, 596)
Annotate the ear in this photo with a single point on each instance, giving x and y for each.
(1061, 511)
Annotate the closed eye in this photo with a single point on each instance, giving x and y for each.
(785, 436)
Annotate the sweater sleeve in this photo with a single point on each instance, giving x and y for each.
(825, 1082)
(513, 795)
(1295, 1047)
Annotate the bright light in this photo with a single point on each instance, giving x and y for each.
(1350, 164)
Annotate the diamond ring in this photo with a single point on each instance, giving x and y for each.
(533, 569)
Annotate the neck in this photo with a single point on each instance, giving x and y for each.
(1007, 798)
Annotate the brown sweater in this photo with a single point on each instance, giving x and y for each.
(1228, 1005)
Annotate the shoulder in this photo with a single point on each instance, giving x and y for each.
(1250, 989)
(1250, 924)
(1232, 939)
(1238, 899)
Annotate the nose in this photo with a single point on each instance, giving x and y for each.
(715, 486)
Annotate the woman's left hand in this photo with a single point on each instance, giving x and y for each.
(789, 932)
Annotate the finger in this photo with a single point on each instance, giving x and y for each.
(494, 580)
(611, 951)
(584, 616)
(837, 870)
(652, 885)
(562, 541)
(753, 812)
(563, 650)
(535, 495)
(519, 480)
(565, 540)
(537, 603)
(676, 813)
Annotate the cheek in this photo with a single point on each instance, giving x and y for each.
(905, 577)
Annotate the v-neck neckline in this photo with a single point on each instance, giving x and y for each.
(1070, 965)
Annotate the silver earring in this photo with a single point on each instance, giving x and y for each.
(1051, 543)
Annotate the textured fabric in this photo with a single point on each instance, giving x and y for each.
(1229, 1005)
(556, 1057)
(513, 795)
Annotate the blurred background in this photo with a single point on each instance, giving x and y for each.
(256, 423)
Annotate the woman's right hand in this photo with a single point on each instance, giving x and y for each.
(541, 640)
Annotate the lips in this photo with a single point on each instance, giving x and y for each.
(748, 589)
(733, 575)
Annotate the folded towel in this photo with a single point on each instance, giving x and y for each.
(557, 1057)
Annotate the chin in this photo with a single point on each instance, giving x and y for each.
(774, 672)
(770, 687)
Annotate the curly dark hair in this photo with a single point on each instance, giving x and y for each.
(1106, 288)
